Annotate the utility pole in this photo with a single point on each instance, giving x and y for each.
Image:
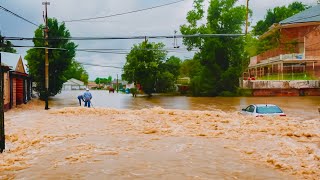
(117, 84)
(2, 135)
(46, 70)
(247, 16)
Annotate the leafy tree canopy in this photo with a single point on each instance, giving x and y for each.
(7, 47)
(59, 61)
(221, 57)
(190, 68)
(169, 71)
(276, 15)
(77, 71)
(100, 80)
(147, 65)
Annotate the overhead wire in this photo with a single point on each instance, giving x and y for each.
(110, 51)
(124, 13)
(39, 47)
(89, 64)
(124, 49)
(12, 13)
(126, 37)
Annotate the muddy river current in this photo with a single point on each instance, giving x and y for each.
(163, 137)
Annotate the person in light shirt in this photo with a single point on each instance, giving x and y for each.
(87, 98)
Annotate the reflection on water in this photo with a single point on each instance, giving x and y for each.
(303, 107)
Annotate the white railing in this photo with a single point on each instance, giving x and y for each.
(292, 56)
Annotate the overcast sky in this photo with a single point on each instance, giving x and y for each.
(160, 21)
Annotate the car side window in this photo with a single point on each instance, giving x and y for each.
(251, 109)
(248, 108)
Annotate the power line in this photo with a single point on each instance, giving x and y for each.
(103, 52)
(110, 51)
(89, 64)
(8, 11)
(123, 49)
(124, 13)
(35, 47)
(127, 37)
(124, 53)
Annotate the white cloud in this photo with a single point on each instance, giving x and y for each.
(161, 21)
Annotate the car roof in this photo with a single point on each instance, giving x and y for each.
(260, 105)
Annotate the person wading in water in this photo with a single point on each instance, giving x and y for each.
(87, 98)
(80, 98)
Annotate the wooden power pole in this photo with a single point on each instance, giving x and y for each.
(247, 16)
(2, 135)
(46, 70)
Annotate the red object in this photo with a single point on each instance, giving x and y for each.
(19, 91)
(111, 90)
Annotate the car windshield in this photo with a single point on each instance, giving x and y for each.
(268, 109)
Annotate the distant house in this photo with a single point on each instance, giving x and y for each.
(17, 83)
(121, 84)
(73, 84)
(92, 85)
(183, 80)
(298, 50)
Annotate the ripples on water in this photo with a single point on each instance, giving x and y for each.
(303, 108)
(136, 141)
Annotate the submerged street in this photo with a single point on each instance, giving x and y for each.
(160, 138)
(206, 49)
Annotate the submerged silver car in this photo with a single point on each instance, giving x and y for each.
(260, 110)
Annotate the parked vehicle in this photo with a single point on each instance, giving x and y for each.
(260, 110)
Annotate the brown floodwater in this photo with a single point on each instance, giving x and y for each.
(301, 107)
(163, 137)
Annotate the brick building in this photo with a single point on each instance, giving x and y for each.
(298, 50)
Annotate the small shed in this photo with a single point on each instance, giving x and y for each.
(73, 84)
(17, 83)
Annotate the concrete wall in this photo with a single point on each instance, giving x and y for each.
(282, 84)
(286, 92)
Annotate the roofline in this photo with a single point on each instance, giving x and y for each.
(277, 26)
(271, 30)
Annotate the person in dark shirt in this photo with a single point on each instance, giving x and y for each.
(80, 98)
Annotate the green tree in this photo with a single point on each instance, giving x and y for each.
(59, 60)
(165, 82)
(168, 74)
(142, 65)
(109, 79)
(190, 68)
(7, 47)
(276, 15)
(221, 58)
(172, 65)
(99, 80)
(77, 71)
